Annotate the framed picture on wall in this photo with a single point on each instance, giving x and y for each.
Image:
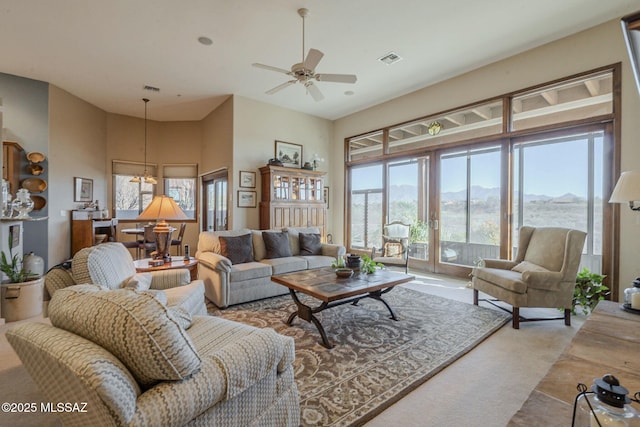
(289, 154)
(246, 199)
(83, 190)
(247, 179)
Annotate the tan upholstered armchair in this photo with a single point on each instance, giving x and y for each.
(542, 275)
(395, 245)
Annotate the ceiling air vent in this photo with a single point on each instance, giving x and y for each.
(390, 58)
(151, 88)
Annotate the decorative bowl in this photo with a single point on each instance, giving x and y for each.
(35, 157)
(344, 273)
(35, 169)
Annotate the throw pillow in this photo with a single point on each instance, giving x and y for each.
(527, 266)
(310, 244)
(134, 326)
(392, 250)
(139, 282)
(276, 244)
(237, 248)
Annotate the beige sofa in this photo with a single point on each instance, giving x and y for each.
(227, 282)
(122, 357)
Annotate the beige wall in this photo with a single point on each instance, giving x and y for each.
(256, 127)
(77, 147)
(167, 143)
(596, 47)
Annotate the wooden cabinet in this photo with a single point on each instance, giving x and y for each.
(86, 232)
(12, 154)
(292, 198)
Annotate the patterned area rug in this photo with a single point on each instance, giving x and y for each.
(375, 361)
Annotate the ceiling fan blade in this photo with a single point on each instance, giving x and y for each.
(314, 92)
(337, 78)
(313, 58)
(280, 87)
(270, 68)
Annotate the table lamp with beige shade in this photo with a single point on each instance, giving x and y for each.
(627, 190)
(160, 209)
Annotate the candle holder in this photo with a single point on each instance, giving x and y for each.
(632, 298)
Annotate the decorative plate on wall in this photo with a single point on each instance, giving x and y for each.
(34, 185)
(36, 157)
(39, 202)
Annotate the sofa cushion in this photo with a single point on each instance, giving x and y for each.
(276, 244)
(286, 264)
(294, 237)
(506, 279)
(392, 249)
(238, 249)
(317, 261)
(248, 271)
(134, 326)
(259, 250)
(209, 241)
(310, 243)
(109, 264)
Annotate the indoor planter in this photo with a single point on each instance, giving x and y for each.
(588, 291)
(21, 293)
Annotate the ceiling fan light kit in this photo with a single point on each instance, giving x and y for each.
(304, 72)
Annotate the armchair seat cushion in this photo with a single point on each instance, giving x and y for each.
(134, 326)
(506, 279)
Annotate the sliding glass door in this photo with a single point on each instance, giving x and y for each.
(468, 228)
(558, 181)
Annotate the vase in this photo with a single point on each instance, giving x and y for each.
(22, 203)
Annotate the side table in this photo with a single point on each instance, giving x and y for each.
(142, 265)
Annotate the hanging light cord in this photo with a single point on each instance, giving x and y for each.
(146, 100)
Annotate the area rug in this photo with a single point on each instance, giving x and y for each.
(376, 360)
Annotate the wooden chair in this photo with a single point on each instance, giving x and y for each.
(178, 242)
(542, 275)
(395, 245)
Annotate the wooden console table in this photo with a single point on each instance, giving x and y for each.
(607, 343)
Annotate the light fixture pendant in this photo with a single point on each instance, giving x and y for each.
(147, 178)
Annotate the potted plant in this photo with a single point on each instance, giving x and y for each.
(21, 295)
(368, 265)
(588, 291)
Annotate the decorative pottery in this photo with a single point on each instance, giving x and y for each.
(353, 261)
(36, 157)
(344, 273)
(34, 185)
(35, 169)
(33, 264)
(39, 202)
(22, 203)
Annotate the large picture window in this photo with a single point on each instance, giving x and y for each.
(131, 198)
(180, 183)
(467, 179)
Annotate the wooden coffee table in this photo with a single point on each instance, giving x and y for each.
(332, 291)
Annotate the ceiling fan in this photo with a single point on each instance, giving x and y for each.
(305, 72)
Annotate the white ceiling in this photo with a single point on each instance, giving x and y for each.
(105, 51)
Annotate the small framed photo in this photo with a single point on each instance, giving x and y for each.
(82, 190)
(246, 199)
(325, 196)
(247, 179)
(289, 154)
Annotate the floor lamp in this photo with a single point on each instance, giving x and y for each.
(160, 209)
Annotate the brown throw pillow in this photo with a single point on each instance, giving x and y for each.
(276, 244)
(310, 244)
(237, 248)
(393, 250)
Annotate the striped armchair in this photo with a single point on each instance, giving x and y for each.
(110, 265)
(128, 359)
